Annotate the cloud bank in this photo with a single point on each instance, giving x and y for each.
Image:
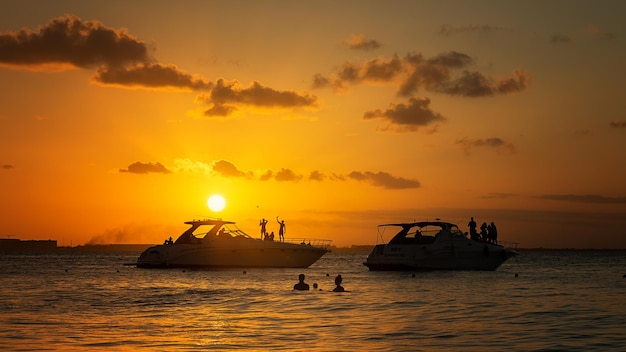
(225, 168)
(448, 73)
(226, 95)
(145, 168)
(415, 114)
(120, 59)
(359, 42)
(494, 143)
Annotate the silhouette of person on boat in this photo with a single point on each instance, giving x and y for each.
(472, 228)
(301, 285)
(483, 232)
(488, 233)
(281, 230)
(263, 224)
(492, 233)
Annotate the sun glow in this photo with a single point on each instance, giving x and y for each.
(216, 203)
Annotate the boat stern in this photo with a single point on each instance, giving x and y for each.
(153, 257)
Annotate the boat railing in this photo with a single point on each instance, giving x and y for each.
(315, 242)
(508, 244)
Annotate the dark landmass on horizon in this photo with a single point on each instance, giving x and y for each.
(138, 248)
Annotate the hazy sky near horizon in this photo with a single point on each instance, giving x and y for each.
(119, 119)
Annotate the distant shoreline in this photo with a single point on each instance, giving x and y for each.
(138, 248)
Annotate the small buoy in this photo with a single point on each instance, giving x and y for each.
(244, 272)
(516, 275)
(65, 270)
(327, 274)
(183, 271)
(413, 275)
(118, 271)
(315, 285)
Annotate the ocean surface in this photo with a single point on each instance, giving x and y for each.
(559, 301)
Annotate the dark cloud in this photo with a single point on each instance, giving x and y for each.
(150, 75)
(584, 198)
(407, 117)
(375, 70)
(359, 42)
(469, 84)
(68, 40)
(266, 176)
(7, 167)
(517, 82)
(316, 176)
(337, 177)
(224, 97)
(444, 73)
(144, 168)
(384, 179)
(495, 143)
(475, 84)
(350, 72)
(447, 29)
(283, 175)
(320, 81)
(451, 59)
(228, 169)
(618, 124)
(287, 175)
(382, 70)
(120, 58)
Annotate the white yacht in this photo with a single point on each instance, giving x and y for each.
(435, 245)
(224, 245)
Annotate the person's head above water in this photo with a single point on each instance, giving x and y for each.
(338, 280)
(301, 285)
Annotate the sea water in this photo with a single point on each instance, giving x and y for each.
(539, 301)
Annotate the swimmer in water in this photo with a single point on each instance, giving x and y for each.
(338, 281)
(301, 285)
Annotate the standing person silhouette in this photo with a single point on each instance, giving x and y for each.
(494, 232)
(472, 228)
(483, 232)
(281, 230)
(263, 223)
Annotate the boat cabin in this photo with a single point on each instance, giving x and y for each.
(425, 232)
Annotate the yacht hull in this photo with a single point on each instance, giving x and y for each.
(421, 259)
(259, 254)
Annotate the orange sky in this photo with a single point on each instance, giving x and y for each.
(119, 119)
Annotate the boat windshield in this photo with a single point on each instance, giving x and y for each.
(421, 232)
(210, 229)
(456, 232)
(218, 230)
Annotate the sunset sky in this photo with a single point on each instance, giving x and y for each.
(118, 119)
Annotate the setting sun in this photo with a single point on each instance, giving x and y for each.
(216, 203)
